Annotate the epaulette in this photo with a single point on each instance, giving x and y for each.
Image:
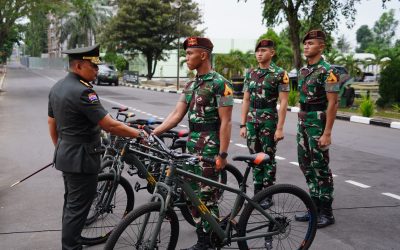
(88, 85)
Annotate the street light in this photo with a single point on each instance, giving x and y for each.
(177, 4)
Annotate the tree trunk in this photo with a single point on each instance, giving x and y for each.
(149, 57)
(294, 30)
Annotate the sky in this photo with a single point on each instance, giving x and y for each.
(232, 19)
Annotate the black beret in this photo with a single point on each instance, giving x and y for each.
(198, 42)
(265, 43)
(315, 34)
(90, 53)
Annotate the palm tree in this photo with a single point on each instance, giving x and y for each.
(350, 63)
(81, 23)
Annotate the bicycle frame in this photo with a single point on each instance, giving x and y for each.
(175, 173)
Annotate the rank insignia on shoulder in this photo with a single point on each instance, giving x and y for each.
(285, 78)
(86, 84)
(228, 91)
(92, 97)
(331, 78)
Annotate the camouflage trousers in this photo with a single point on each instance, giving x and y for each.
(313, 160)
(260, 138)
(205, 144)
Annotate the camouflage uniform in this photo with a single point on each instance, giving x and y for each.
(314, 81)
(264, 86)
(204, 96)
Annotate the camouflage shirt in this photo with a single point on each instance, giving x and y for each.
(315, 80)
(265, 85)
(205, 95)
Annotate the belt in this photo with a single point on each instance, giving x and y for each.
(80, 138)
(312, 107)
(262, 104)
(202, 127)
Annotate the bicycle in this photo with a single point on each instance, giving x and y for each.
(275, 227)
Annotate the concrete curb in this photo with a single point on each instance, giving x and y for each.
(2, 80)
(343, 117)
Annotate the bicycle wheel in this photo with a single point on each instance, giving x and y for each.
(230, 176)
(103, 217)
(287, 201)
(106, 166)
(137, 228)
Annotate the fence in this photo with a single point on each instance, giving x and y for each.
(44, 63)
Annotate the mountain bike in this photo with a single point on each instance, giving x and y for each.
(155, 225)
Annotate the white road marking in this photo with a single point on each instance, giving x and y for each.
(241, 145)
(183, 126)
(358, 184)
(294, 163)
(333, 175)
(392, 195)
(161, 118)
(279, 158)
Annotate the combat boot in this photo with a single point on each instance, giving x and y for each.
(305, 216)
(203, 241)
(325, 217)
(265, 203)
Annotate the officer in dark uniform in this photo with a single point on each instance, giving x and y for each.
(75, 116)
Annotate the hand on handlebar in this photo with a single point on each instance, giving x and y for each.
(220, 163)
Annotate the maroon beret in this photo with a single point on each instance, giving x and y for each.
(198, 42)
(315, 34)
(264, 43)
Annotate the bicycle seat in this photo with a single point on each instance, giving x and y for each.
(179, 143)
(257, 159)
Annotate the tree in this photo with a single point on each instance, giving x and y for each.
(364, 37)
(36, 33)
(234, 64)
(150, 26)
(350, 63)
(81, 22)
(343, 45)
(389, 83)
(333, 56)
(385, 29)
(283, 54)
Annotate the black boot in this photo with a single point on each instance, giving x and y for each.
(203, 241)
(305, 216)
(267, 202)
(325, 217)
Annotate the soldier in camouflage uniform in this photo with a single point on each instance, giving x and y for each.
(318, 87)
(260, 122)
(208, 100)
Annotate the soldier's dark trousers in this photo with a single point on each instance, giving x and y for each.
(313, 160)
(260, 138)
(80, 190)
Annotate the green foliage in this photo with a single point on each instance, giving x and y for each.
(381, 102)
(151, 27)
(389, 83)
(234, 64)
(83, 19)
(110, 57)
(283, 53)
(121, 63)
(396, 107)
(36, 33)
(350, 63)
(364, 37)
(293, 97)
(367, 107)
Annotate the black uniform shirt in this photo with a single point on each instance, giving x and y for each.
(77, 110)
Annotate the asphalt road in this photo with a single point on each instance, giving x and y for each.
(364, 158)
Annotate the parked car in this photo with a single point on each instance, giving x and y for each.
(107, 74)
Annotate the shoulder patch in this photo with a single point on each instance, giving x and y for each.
(332, 78)
(92, 97)
(285, 79)
(227, 90)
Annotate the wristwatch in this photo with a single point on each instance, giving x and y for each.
(223, 155)
(242, 125)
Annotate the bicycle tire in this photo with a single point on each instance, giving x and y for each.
(225, 202)
(100, 223)
(121, 238)
(106, 166)
(287, 201)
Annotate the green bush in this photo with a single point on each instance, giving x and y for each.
(367, 107)
(389, 83)
(381, 102)
(396, 107)
(293, 97)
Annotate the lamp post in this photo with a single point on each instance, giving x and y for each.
(177, 4)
